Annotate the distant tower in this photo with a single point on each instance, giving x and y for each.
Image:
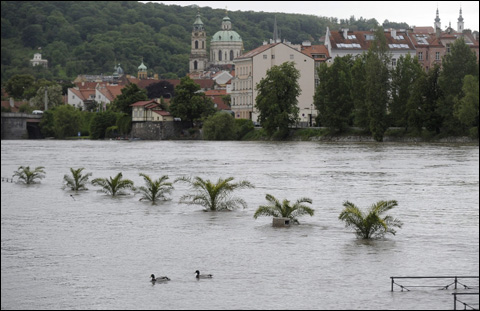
(198, 55)
(460, 24)
(142, 71)
(276, 38)
(437, 21)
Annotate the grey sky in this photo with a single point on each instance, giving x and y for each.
(414, 13)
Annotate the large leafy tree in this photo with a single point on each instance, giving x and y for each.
(432, 119)
(277, 101)
(114, 186)
(27, 176)
(220, 126)
(461, 61)
(17, 85)
(155, 189)
(358, 93)
(285, 208)
(404, 75)
(333, 98)
(377, 84)
(370, 224)
(189, 103)
(214, 196)
(66, 121)
(466, 108)
(161, 89)
(100, 122)
(130, 95)
(76, 181)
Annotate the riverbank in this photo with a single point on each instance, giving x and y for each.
(357, 135)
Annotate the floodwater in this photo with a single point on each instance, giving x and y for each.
(97, 252)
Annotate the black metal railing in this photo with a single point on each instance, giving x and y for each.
(455, 282)
(471, 305)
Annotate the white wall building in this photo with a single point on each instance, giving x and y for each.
(252, 67)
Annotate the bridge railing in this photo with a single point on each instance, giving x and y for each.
(454, 280)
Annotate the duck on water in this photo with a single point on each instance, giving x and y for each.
(159, 279)
(203, 276)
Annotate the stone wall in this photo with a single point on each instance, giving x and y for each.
(160, 130)
(14, 125)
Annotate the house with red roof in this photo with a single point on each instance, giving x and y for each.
(149, 111)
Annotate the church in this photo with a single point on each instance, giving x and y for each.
(225, 45)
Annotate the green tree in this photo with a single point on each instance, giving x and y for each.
(466, 108)
(27, 176)
(220, 126)
(130, 95)
(54, 97)
(214, 196)
(432, 94)
(404, 75)
(66, 121)
(114, 186)
(370, 224)
(189, 104)
(277, 101)
(377, 84)
(77, 181)
(18, 84)
(333, 98)
(155, 189)
(284, 209)
(100, 122)
(358, 93)
(461, 61)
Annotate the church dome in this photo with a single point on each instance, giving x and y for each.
(226, 36)
(142, 67)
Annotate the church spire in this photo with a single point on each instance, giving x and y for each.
(460, 24)
(275, 32)
(437, 21)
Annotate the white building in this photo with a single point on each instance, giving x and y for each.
(37, 60)
(252, 67)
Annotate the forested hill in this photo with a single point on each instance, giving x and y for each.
(90, 37)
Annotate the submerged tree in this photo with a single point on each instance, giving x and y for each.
(77, 181)
(113, 186)
(214, 196)
(27, 176)
(155, 189)
(284, 209)
(370, 224)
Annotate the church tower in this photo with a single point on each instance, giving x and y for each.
(437, 22)
(198, 55)
(460, 24)
(142, 71)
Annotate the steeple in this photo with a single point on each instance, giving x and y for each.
(460, 24)
(437, 21)
(198, 54)
(276, 38)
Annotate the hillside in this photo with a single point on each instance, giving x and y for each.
(90, 37)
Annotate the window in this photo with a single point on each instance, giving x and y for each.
(437, 55)
(220, 55)
(231, 55)
(291, 56)
(264, 56)
(394, 62)
(420, 55)
(196, 44)
(448, 48)
(195, 65)
(273, 56)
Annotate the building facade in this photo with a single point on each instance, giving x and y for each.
(252, 67)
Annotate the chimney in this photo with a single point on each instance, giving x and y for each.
(12, 103)
(438, 32)
(394, 33)
(345, 33)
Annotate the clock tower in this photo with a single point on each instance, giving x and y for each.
(198, 55)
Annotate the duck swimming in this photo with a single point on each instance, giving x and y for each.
(159, 279)
(203, 276)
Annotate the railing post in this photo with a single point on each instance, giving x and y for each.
(455, 282)
(454, 301)
(392, 284)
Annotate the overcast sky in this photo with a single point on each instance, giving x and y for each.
(414, 13)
